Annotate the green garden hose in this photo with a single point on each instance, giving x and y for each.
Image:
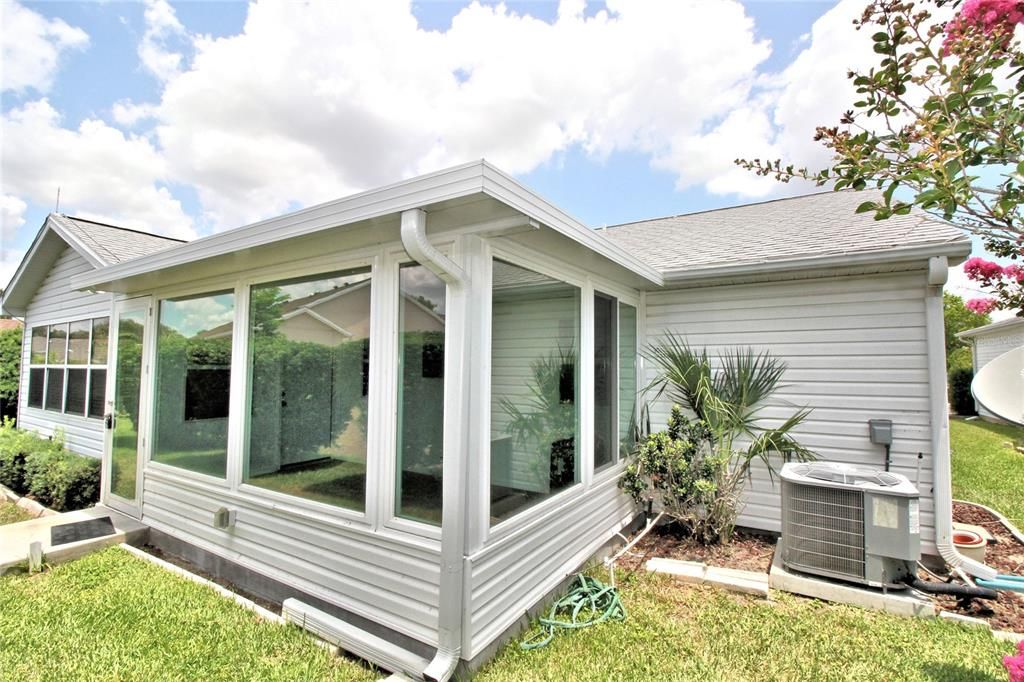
(588, 602)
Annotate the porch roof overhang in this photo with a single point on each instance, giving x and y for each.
(441, 190)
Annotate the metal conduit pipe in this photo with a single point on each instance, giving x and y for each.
(455, 463)
(942, 490)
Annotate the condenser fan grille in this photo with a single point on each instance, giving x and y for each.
(824, 530)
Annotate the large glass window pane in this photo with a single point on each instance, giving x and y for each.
(78, 343)
(124, 454)
(309, 358)
(38, 355)
(420, 394)
(77, 379)
(55, 389)
(97, 392)
(193, 370)
(534, 384)
(606, 422)
(36, 384)
(58, 344)
(628, 387)
(100, 335)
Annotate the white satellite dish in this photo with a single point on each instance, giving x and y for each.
(999, 386)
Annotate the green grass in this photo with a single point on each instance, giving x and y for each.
(12, 513)
(986, 467)
(112, 616)
(678, 632)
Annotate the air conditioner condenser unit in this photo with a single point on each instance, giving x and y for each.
(851, 523)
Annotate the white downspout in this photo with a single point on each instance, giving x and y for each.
(942, 490)
(456, 447)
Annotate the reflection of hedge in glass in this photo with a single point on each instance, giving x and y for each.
(304, 396)
(421, 435)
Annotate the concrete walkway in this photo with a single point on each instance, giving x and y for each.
(15, 538)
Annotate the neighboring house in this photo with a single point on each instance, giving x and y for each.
(496, 329)
(990, 341)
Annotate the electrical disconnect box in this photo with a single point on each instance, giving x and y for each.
(881, 431)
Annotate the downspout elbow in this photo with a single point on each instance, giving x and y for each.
(442, 667)
(414, 239)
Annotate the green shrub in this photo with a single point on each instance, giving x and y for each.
(960, 391)
(44, 469)
(14, 446)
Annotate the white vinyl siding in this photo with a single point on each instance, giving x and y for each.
(856, 350)
(390, 579)
(509, 575)
(55, 301)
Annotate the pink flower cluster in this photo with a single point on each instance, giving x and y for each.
(987, 272)
(982, 306)
(986, 14)
(1015, 664)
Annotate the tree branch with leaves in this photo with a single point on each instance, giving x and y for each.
(941, 117)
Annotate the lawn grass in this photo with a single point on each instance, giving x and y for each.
(12, 513)
(112, 616)
(680, 632)
(986, 467)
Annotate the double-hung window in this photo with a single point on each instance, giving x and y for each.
(68, 367)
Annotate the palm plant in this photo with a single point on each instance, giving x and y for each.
(698, 467)
(730, 401)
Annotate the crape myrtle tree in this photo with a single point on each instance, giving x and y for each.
(940, 116)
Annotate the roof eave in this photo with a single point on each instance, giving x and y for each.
(956, 251)
(990, 328)
(451, 183)
(16, 297)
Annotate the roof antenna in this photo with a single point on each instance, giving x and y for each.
(56, 208)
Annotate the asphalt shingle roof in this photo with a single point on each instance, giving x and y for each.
(113, 244)
(820, 224)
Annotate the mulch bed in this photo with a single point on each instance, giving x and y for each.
(746, 551)
(1006, 556)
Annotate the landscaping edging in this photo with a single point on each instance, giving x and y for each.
(1012, 529)
(27, 504)
(732, 579)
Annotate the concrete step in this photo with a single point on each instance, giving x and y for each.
(16, 538)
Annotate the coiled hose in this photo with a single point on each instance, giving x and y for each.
(588, 602)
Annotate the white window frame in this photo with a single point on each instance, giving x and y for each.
(46, 366)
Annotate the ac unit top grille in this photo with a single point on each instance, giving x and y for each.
(824, 530)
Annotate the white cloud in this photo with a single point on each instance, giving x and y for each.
(309, 105)
(103, 174)
(32, 47)
(162, 26)
(130, 114)
(12, 216)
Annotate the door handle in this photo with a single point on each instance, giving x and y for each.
(108, 421)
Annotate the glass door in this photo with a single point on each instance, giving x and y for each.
(124, 418)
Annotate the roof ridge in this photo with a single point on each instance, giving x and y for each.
(725, 208)
(125, 229)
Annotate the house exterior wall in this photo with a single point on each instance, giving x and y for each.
(856, 350)
(55, 301)
(988, 347)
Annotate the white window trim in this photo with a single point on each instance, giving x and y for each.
(89, 367)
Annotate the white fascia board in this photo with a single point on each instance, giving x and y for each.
(59, 225)
(506, 189)
(955, 251)
(477, 177)
(451, 183)
(53, 224)
(993, 328)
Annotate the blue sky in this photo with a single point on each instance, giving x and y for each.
(182, 118)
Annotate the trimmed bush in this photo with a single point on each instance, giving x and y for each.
(960, 391)
(42, 468)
